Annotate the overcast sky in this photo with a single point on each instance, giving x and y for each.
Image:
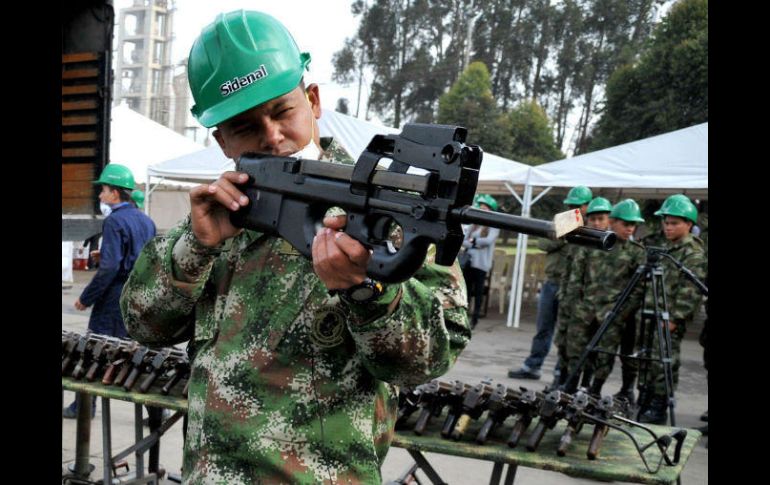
(319, 27)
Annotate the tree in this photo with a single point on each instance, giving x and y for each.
(469, 103)
(667, 89)
(531, 135)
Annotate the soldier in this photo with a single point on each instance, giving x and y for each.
(556, 264)
(614, 270)
(582, 283)
(289, 384)
(683, 298)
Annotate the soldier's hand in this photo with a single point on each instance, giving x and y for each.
(338, 259)
(79, 305)
(210, 207)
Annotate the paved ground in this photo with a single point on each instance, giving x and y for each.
(493, 349)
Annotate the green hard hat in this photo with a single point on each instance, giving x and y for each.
(241, 60)
(579, 195)
(138, 197)
(117, 175)
(485, 199)
(599, 204)
(627, 210)
(678, 205)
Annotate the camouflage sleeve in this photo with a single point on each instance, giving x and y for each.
(416, 331)
(168, 278)
(685, 299)
(549, 245)
(576, 263)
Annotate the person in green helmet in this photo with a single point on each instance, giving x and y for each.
(605, 281)
(580, 288)
(479, 243)
(682, 297)
(124, 233)
(137, 198)
(290, 383)
(551, 302)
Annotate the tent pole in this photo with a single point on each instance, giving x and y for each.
(516, 260)
(522, 259)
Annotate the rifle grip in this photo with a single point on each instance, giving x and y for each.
(108, 377)
(449, 424)
(147, 382)
(422, 421)
(91, 374)
(122, 373)
(600, 431)
(171, 383)
(132, 378)
(481, 438)
(518, 430)
(537, 435)
(565, 441)
(460, 427)
(65, 363)
(77, 373)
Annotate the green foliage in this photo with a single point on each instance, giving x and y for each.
(667, 89)
(469, 103)
(531, 135)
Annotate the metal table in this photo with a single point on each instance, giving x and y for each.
(86, 389)
(618, 459)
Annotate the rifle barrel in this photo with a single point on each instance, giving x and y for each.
(584, 236)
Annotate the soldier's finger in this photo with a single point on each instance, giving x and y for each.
(335, 222)
(228, 194)
(354, 250)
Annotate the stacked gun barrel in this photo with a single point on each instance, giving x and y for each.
(124, 363)
(530, 414)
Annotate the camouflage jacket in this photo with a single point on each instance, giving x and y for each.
(682, 297)
(598, 278)
(289, 384)
(554, 258)
(566, 299)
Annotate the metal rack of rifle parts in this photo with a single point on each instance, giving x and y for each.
(122, 369)
(496, 415)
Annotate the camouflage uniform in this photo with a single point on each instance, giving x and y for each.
(289, 384)
(566, 306)
(607, 274)
(683, 300)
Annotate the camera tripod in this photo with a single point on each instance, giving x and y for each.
(650, 273)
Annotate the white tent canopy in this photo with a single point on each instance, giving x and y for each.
(137, 142)
(672, 161)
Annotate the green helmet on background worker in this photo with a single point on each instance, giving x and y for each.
(599, 204)
(679, 205)
(117, 176)
(627, 210)
(242, 60)
(579, 195)
(486, 199)
(138, 197)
